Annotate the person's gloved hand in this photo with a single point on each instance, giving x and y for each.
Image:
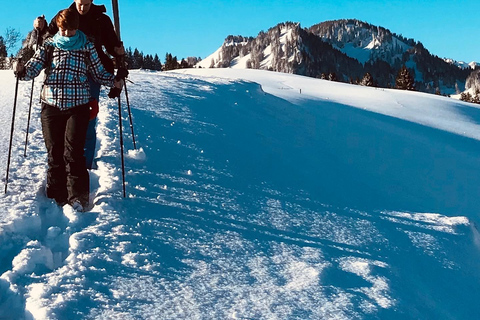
(122, 73)
(120, 50)
(117, 89)
(18, 68)
(114, 92)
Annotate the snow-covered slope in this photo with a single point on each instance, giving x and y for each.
(256, 195)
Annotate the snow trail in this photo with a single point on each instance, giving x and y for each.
(248, 200)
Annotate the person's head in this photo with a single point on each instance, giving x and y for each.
(83, 6)
(67, 22)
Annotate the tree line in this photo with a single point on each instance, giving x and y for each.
(135, 58)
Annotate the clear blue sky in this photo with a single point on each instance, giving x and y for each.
(448, 29)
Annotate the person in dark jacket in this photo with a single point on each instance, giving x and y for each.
(99, 29)
(68, 58)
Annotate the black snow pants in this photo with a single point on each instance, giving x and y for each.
(64, 132)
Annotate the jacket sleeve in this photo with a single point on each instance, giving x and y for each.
(52, 27)
(35, 65)
(96, 68)
(110, 39)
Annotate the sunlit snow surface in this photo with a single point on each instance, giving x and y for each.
(251, 195)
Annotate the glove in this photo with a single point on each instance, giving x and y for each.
(18, 68)
(93, 104)
(114, 92)
(122, 73)
(117, 89)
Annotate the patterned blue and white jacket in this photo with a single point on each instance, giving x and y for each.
(66, 85)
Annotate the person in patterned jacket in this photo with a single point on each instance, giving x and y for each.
(65, 111)
(99, 29)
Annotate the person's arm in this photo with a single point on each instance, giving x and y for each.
(110, 40)
(33, 67)
(96, 68)
(44, 30)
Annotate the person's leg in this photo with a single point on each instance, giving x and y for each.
(90, 143)
(78, 183)
(91, 139)
(53, 127)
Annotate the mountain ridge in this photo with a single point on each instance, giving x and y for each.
(344, 50)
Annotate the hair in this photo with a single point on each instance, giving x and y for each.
(68, 19)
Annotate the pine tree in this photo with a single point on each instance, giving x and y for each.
(137, 62)
(175, 63)
(129, 58)
(171, 62)
(367, 80)
(148, 62)
(404, 80)
(473, 80)
(184, 64)
(139, 59)
(475, 99)
(156, 63)
(3, 53)
(466, 96)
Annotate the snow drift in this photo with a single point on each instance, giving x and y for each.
(255, 195)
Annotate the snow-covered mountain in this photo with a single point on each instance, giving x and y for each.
(284, 48)
(363, 41)
(253, 195)
(347, 48)
(464, 65)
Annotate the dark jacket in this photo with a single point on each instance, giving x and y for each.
(99, 29)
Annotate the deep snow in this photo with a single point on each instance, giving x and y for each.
(255, 195)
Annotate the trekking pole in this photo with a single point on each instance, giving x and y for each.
(121, 144)
(31, 97)
(130, 115)
(116, 17)
(11, 131)
(116, 20)
(120, 126)
(121, 62)
(28, 121)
